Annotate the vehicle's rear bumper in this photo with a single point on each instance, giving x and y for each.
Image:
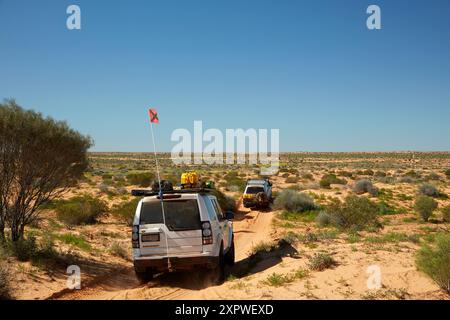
(176, 263)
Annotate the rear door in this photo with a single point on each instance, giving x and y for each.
(182, 230)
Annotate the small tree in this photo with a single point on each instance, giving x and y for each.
(40, 159)
(425, 206)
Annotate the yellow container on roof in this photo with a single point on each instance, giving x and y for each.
(189, 178)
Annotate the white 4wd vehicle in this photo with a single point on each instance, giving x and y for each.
(197, 232)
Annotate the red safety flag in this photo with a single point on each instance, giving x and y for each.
(153, 116)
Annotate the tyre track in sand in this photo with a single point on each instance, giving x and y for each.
(250, 226)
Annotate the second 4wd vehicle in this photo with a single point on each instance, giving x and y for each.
(258, 193)
(196, 233)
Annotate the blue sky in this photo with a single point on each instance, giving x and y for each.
(309, 68)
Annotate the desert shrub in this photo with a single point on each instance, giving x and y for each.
(5, 289)
(386, 209)
(380, 174)
(121, 190)
(80, 210)
(118, 250)
(291, 180)
(232, 178)
(429, 190)
(433, 177)
(412, 174)
(365, 186)
(307, 176)
(323, 219)
(329, 179)
(321, 261)
(24, 249)
(294, 201)
(125, 211)
(355, 213)
(425, 206)
(104, 188)
(294, 187)
(435, 260)
(226, 203)
(142, 179)
(347, 174)
(446, 213)
(447, 173)
(107, 177)
(367, 172)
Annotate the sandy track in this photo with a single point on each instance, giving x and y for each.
(251, 227)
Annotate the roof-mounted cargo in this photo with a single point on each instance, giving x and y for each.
(149, 193)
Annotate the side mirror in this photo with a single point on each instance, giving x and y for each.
(229, 215)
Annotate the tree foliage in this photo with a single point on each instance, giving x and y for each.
(39, 159)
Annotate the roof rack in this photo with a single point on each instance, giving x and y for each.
(149, 193)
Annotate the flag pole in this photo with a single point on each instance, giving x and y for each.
(160, 193)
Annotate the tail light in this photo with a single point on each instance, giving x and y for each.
(135, 237)
(207, 236)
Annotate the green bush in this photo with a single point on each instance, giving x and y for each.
(386, 209)
(447, 173)
(365, 186)
(323, 219)
(425, 206)
(232, 178)
(321, 261)
(435, 260)
(294, 201)
(429, 190)
(24, 249)
(446, 213)
(125, 211)
(291, 179)
(142, 179)
(329, 179)
(355, 213)
(380, 174)
(307, 176)
(80, 210)
(226, 203)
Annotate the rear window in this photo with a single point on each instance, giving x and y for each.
(254, 190)
(180, 214)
